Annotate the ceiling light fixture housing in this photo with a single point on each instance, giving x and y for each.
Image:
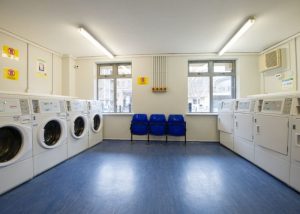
(97, 44)
(237, 35)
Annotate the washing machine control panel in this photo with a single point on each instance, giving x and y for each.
(46, 106)
(77, 106)
(282, 106)
(10, 107)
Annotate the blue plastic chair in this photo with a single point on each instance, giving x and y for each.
(177, 126)
(158, 125)
(139, 125)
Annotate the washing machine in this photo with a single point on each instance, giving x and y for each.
(16, 164)
(225, 123)
(272, 136)
(95, 122)
(243, 128)
(78, 126)
(295, 145)
(49, 132)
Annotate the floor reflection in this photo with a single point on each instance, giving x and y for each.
(117, 176)
(202, 181)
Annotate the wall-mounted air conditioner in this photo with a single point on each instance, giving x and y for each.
(272, 60)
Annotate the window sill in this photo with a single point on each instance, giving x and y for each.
(117, 114)
(202, 114)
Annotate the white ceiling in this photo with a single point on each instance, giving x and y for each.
(129, 27)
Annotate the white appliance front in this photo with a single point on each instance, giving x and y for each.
(78, 126)
(96, 123)
(49, 134)
(271, 137)
(16, 165)
(295, 155)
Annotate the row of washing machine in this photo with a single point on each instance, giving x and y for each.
(265, 129)
(38, 132)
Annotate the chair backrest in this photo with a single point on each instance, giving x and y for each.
(139, 118)
(157, 124)
(176, 118)
(158, 118)
(139, 124)
(176, 125)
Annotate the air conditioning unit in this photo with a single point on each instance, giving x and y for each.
(271, 60)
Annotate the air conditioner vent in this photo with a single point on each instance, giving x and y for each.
(273, 59)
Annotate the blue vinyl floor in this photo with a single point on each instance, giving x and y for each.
(117, 177)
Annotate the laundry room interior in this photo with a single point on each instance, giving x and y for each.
(150, 106)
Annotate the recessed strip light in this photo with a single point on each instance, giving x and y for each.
(89, 37)
(237, 35)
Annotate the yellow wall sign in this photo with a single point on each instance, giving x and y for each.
(11, 74)
(143, 80)
(10, 52)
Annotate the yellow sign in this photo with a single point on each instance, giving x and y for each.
(143, 80)
(11, 74)
(10, 52)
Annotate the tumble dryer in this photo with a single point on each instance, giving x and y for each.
(225, 123)
(16, 165)
(95, 122)
(243, 128)
(77, 126)
(295, 145)
(49, 132)
(272, 136)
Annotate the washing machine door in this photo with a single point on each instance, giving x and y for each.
(52, 133)
(96, 122)
(12, 144)
(78, 126)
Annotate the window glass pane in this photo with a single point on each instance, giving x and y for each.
(222, 67)
(199, 67)
(124, 94)
(198, 94)
(124, 69)
(106, 70)
(221, 90)
(106, 94)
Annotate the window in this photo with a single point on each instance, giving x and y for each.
(208, 83)
(115, 87)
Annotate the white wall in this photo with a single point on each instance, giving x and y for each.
(68, 76)
(30, 80)
(200, 127)
(271, 82)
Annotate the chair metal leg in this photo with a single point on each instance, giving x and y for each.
(131, 139)
(148, 139)
(166, 138)
(185, 139)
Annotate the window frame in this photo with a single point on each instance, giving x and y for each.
(211, 74)
(115, 76)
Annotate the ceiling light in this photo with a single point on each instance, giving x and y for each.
(237, 35)
(89, 37)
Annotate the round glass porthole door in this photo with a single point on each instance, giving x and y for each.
(10, 143)
(96, 122)
(52, 133)
(78, 126)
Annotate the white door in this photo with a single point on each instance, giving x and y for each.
(271, 132)
(225, 122)
(296, 140)
(243, 126)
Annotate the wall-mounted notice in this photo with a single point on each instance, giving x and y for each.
(143, 80)
(11, 74)
(41, 68)
(287, 83)
(9, 52)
